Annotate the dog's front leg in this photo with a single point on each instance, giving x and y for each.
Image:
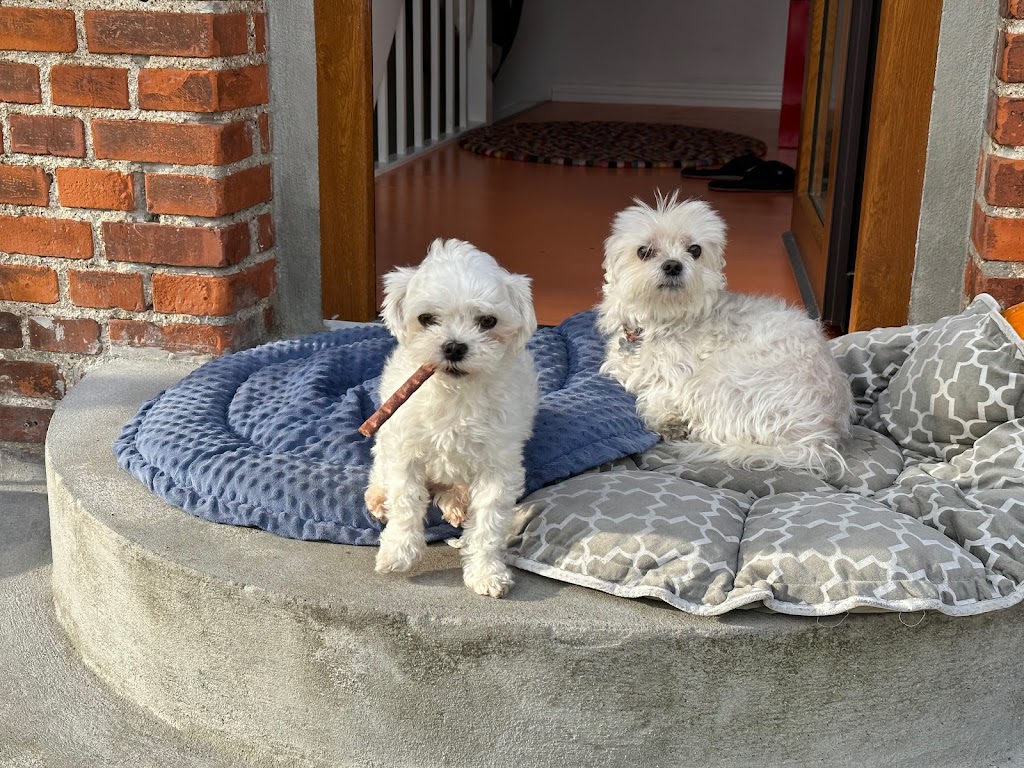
(491, 504)
(402, 541)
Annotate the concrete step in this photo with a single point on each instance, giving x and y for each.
(54, 713)
(297, 652)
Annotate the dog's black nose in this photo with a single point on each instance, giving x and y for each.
(672, 267)
(454, 350)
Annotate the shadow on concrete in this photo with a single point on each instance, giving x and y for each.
(24, 532)
(528, 588)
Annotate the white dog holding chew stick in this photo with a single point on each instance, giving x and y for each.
(722, 376)
(462, 324)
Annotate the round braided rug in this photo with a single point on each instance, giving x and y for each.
(611, 144)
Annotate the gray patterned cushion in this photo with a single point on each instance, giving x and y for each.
(962, 379)
(929, 514)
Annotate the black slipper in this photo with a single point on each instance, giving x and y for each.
(769, 176)
(734, 169)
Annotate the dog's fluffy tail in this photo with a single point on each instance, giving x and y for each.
(815, 456)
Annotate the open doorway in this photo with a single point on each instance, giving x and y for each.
(893, 139)
(714, 65)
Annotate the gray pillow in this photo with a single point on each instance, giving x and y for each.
(634, 534)
(871, 358)
(961, 380)
(843, 551)
(929, 515)
(873, 462)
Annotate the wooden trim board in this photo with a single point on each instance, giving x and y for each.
(344, 62)
(901, 105)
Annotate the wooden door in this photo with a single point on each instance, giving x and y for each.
(860, 167)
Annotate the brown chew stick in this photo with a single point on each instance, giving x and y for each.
(382, 414)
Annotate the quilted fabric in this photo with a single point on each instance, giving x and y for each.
(268, 437)
(962, 380)
(929, 514)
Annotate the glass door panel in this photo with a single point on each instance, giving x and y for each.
(828, 123)
(828, 97)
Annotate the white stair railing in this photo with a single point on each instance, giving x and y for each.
(449, 51)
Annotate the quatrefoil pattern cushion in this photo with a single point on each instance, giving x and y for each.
(929, 513)
(963, 378)
(624, 529)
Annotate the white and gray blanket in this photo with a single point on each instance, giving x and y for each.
(930, 514)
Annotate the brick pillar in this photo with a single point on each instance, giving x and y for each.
(996, 262)
(135, 190)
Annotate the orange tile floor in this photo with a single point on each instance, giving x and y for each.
(550, 221)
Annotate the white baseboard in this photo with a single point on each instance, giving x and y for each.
(680, 94)
(501, 111)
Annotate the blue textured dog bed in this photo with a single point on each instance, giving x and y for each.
(268, 437)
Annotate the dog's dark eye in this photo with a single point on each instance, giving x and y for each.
(644, 252)
(486, 322)
(427, 319)
(694, 250)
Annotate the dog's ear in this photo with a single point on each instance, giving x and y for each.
(396, 284)
(521, 300)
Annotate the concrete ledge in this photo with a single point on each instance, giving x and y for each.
(297, 651)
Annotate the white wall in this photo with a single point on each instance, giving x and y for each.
(384, 19)
(707, 52)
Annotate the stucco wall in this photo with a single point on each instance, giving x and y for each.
(962, 83)
(296, 177)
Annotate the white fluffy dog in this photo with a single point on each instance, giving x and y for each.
(460, 437)
(742, 379)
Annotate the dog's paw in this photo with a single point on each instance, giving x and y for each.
(376, 503)
(676, 431)
(490, 581)
(393, 562)
(454, 504)
(397, 557)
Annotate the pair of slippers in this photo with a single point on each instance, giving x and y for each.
(746, 174)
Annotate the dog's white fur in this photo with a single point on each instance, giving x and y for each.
(460, 437)
(742, 379)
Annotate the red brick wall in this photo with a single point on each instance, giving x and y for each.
(996, 262)
(135, 190)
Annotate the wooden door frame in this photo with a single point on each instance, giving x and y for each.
(897, 146)
(344, 62)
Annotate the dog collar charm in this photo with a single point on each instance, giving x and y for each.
(630, 340)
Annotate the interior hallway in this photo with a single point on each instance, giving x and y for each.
(550, 221)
